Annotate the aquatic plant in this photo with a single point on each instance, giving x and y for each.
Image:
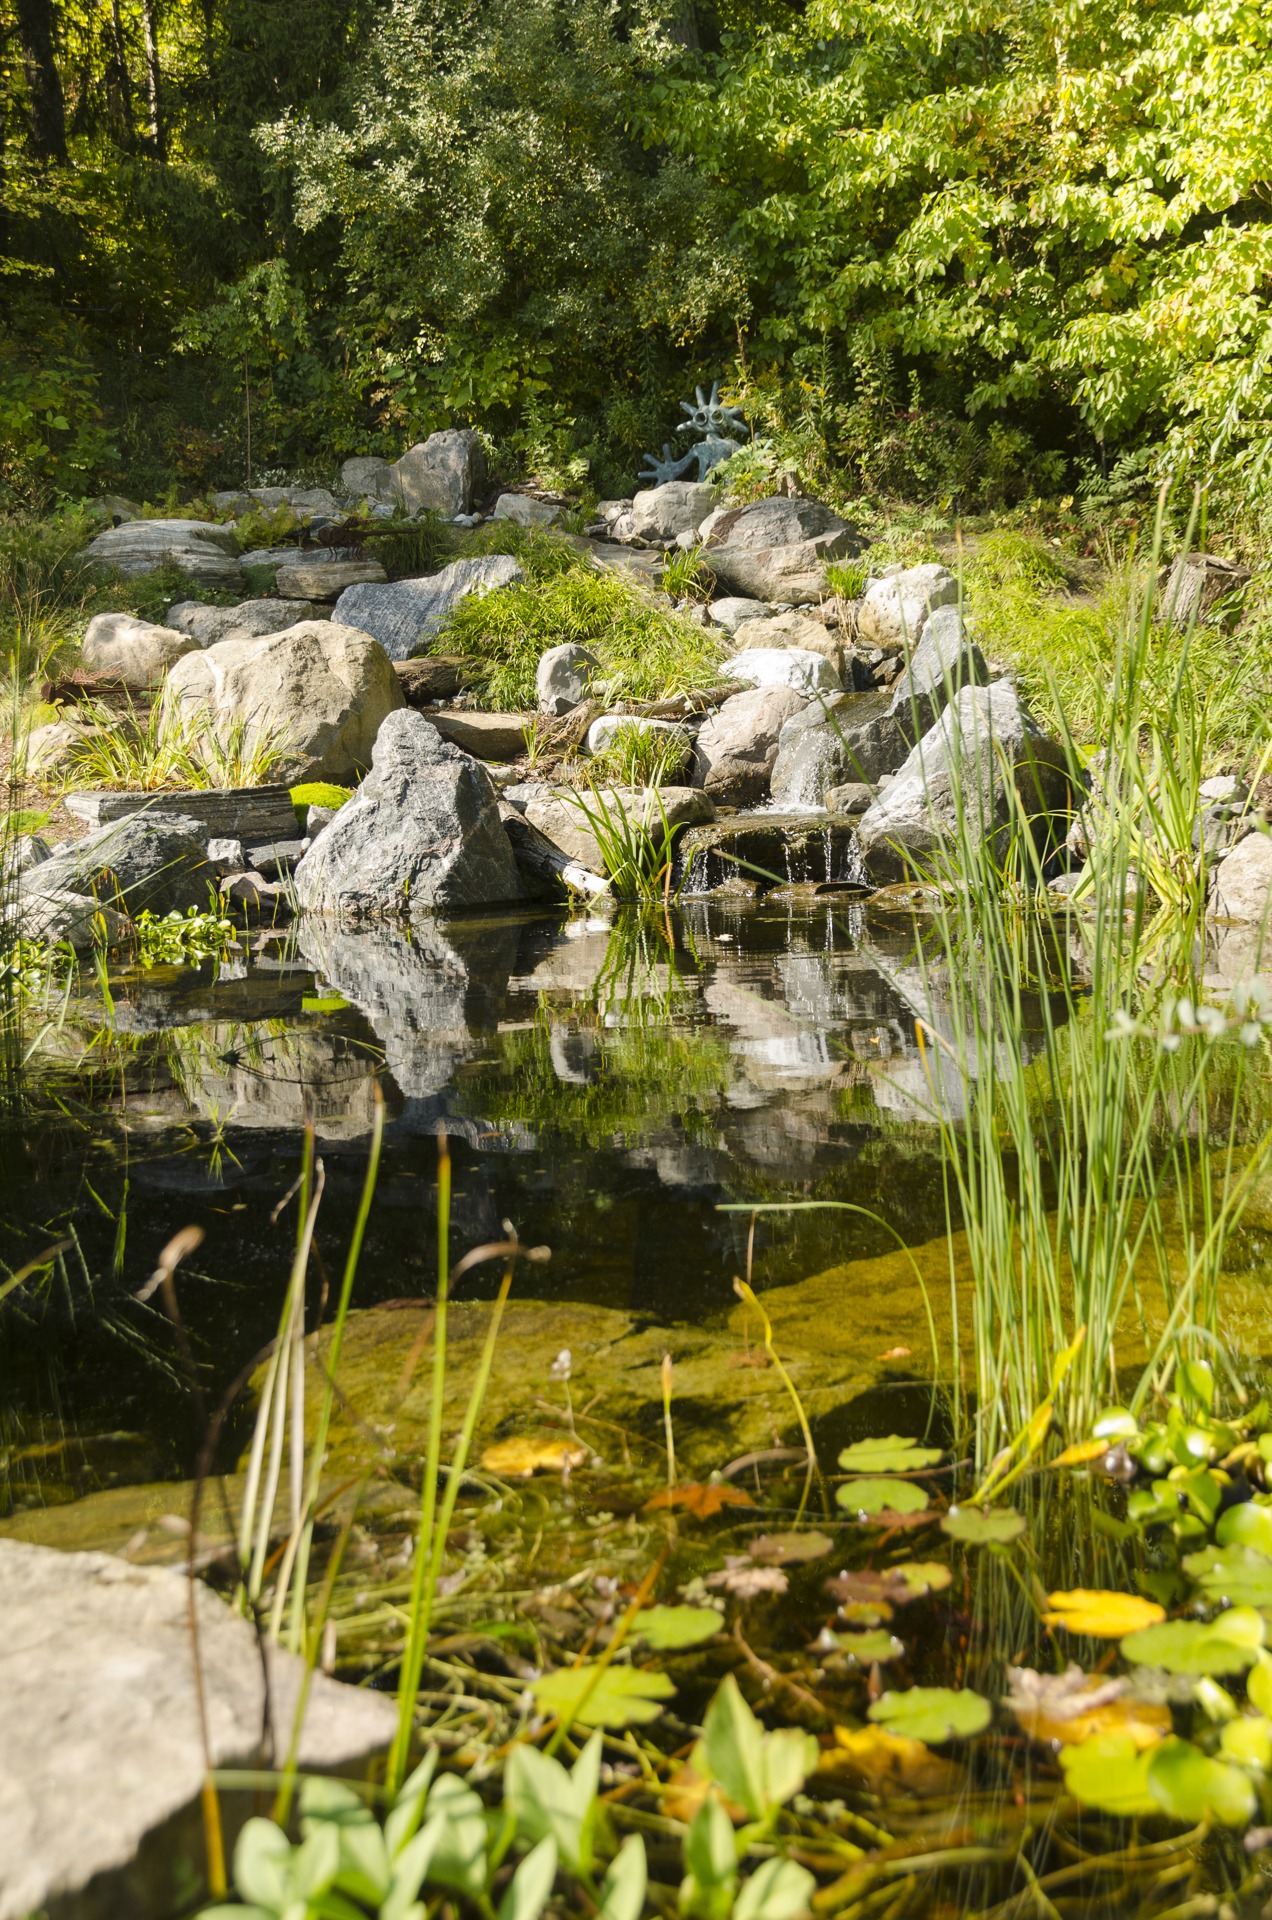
(637, 852)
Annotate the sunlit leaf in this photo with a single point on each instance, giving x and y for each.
(1234, 1573)
(623, 1888)
(933, 1713)
(882, 1760)
(1083, 1451)
(781, 1549)
(621, 1697)
(1190, 1786)
(531, 1884)
(892, 1454)
(518, 1459)
(1247, 1742)
(1246, 1525)
(777, 1890)
(975, 1527)
(700, 1501)
(1227, 1644)
(867, 1648)
(1104, 1616)
(1110, 1774)
(881, 1496)
(667, 1628)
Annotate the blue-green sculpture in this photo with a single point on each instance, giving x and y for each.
(714, 423)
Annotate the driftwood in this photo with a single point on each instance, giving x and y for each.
(543, 862)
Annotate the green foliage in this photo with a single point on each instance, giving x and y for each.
(319, 793)
(640, 757)
(176, 939)
(161, 748)
(933, 1713)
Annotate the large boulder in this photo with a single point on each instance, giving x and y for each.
(408, 614)
(526, 510)
(1241, 888)
(849, 737)
(793, 575)
(797, 667)
(731, 612)
(565, 822)
(421, 833)
(563, 679)
(58, 918)
(660, 513)
(367, 477)
(135, 651)
(320, 690)
(207, 552)
(960, 763)
(324, 579)
(248, 621)
(444, 474)
(945, 659)
(136, 864)
(893, 609)
(780, 521)
(789, 630)
(736, 747)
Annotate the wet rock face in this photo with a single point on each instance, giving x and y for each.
(736, 748)
(767, 850)
(114, 1731)
(320, 688)
(916, 815)
(405, 615)
(422, 832)
(832, 741)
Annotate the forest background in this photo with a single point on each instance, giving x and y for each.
(970, 253)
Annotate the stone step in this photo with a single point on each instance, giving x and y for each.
(230, 813)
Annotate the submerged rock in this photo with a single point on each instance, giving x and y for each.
(421, 832)
(102, 1789)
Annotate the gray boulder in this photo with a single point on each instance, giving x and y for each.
(789, 630)
(318, 690)
(115, 1732)
(606, 729)
(736, 747)
(893, 609)
(563, 679)
(408, 614)
(833, 741)
(565, 823)
(135, 651)
(207, 552)
(248, 621)
(421, 833)
(49, 749)
(776, 522)
(793, 575)
(136, 864)
(808, 673)
(1196, 584)
(916, 815)
(57, 918)
(444, 474)
(660, 513)
(730, 612)
(526, 510)
(324, 579)
(945, 659)
(366, 477)
(1241, 888)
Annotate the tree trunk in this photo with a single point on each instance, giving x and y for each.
(44, 85)
(150, 28)
(122, 79)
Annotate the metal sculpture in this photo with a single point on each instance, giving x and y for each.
(714, 423)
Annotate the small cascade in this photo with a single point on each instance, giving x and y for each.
(755, 853)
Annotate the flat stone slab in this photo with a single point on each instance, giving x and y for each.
(99, 1791)
(487, 736)
(228, 813)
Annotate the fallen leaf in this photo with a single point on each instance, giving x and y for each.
(1081, 1452)
(883, 1760)
(669, 1628)
(702, 1501)
(756, 1359)
(896, 1353)
(684, 1794)
(780, 1549)
(518, 1459)
(738, 1576)
(614, 1697)
(1101, 1615)
(895, 1585)
(1064, 1709)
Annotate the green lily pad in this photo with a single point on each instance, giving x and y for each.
(997, 1527)
(933, 1713)
(881, 1496)
(866, 1648)
(893, 1454)
(1235, 1573)
(1110, 1773)
(621, 1697)
(1227, 1644)
(1247, 1742)
(781, 1549)
(667, 1628)
(1190, 1786)
(1247, 1525)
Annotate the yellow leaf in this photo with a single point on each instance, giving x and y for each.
(884, 1760)
(1066, 1359)
(518, 1459)
(1105, 1616)
(1142, 1724)
(700, 1501)
(1080, 1452)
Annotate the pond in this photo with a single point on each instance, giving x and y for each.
(622, 1092)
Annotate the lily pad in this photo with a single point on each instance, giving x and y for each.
(997, 1527)
(896, 1586)
(1190, 1786)
(866, 1648)
(892, 1454)
(667, 1628)
(933, 1713)
(620, 1697)
(881, 1496)
(1102, 1615)
(1234, 1573)
(1247, 1742)
(1227, 1644)
(781, 1549)
(1109, 1773)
